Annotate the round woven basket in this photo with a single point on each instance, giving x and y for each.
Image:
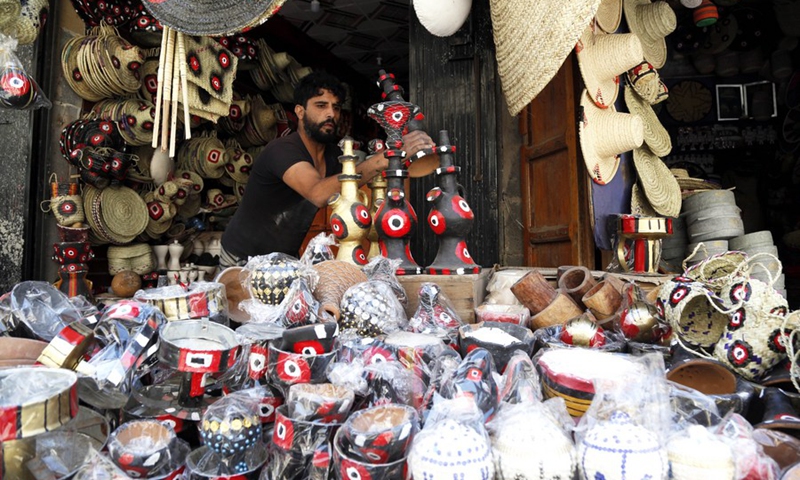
(689, 308)
(212, 17)
(124, 212)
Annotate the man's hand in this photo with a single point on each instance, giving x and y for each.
(416, 141)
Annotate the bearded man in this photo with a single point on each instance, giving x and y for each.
(294, 176)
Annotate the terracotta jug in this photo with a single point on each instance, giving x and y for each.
(350, 220)
(335, 277)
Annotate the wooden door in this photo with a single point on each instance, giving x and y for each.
(555, 201)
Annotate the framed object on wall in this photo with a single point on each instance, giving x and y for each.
(731, 103)
(761, 100)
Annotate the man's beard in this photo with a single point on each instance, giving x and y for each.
(314, 130)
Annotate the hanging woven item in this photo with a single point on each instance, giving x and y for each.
(212, 17)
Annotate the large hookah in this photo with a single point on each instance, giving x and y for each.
(395, 220)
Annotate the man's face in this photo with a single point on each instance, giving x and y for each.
(320, 117)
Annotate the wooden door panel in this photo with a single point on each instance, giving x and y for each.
(557, 230)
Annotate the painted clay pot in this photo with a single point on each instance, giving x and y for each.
(450, 217)
(474, 377)
(286, 368)
(73, 282)
(140, 447)
(271, 281)
(350, 219)
(500, 339)
(582, 331)
(314, 339)
(299, 437)
(299, 308)
(346, 466)
(322, 402)
(380, 434)
(72, 252)
(570, 373)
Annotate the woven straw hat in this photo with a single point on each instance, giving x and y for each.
(124, 212)
(549, 28)
(212, 17)
(660, 187)
(656, 136)
(609, 15)
(604, 134)
(651, 22)
(602, 58)
(639, 203)
(689, 183)
(442, 17)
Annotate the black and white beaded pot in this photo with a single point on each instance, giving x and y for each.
(270, 282)
(371, 309)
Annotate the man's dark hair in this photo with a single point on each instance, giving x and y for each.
(311, 86)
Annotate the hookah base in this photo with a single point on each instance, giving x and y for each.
(467, 270)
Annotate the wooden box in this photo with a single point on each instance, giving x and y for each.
(464, 291)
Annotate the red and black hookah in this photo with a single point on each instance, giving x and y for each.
(395, 221)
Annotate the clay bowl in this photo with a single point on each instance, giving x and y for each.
(322, 402)
(141, 446)
(706, 376)
(380, 434)
(499, 338)
(19, 351)
(235, 291)
(346, 466)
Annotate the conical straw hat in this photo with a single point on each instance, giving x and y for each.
(609, 15)
(651, 22)
(602, 58)
(655, 135)
(658, 183)
(533, 39)
(604, 134)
